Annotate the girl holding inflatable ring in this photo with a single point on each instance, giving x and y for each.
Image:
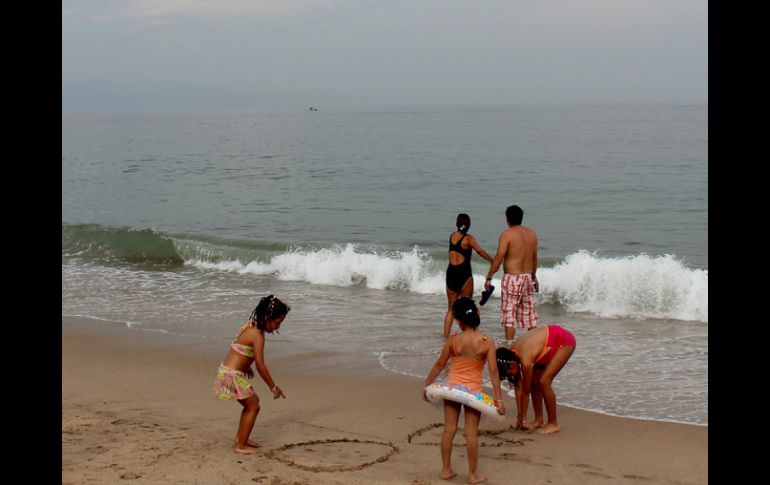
(469, 351)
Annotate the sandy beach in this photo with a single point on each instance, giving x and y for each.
(137, 407)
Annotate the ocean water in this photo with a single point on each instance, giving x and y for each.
(179, 222)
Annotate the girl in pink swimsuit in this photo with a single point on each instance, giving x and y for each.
(469, 350)
(531, 364)
(233, 376)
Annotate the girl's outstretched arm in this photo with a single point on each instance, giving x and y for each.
(494, 376)
(523, 398)
(259, 363)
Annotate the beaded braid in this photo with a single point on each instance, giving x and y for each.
(271, 305)
(506, 357)
(260, 315)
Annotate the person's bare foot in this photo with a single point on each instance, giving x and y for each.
(245, 451)
(548, 429)
(253, 444)
(477, 479)
(535, 424)
(448, 474)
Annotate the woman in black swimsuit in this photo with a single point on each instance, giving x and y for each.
(459, 278)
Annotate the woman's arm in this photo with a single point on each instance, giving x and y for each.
(477, 247)
(494, 265)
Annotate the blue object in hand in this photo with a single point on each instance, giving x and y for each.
(486, 294)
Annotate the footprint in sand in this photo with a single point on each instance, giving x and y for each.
(522, 459)
(333, 455)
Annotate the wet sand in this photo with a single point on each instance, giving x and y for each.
(137, 408)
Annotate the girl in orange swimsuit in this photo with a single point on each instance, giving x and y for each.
(233, 376)
(531, 364)
(468, 351)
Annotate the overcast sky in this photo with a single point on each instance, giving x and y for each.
(189, 54)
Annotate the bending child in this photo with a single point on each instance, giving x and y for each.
(531, 364)
(232, 380)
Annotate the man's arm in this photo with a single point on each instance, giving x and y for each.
(534, 266)
(502, 249)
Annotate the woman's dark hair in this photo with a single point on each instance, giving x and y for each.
(504, 358)
(465, 310)
(463, 223)
(269, 307)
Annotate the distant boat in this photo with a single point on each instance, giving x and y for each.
(312, 108)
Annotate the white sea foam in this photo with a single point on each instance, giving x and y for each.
(636, 286)
(639, 286)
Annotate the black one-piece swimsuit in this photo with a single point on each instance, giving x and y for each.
(457, 275)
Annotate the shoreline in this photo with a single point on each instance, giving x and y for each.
(138, 405)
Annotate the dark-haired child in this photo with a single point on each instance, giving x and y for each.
(232, 380)
(531, 364)
(469, 351)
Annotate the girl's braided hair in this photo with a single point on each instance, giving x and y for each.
(269, 307)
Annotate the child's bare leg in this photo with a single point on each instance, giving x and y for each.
(250, 443)
(472, 418)
(451, 296)
(536, 395)
(246, 424)
(509, 331)
(552, 369)
(550, 405)
(451, 415)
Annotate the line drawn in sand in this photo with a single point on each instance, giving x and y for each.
(491, 433)
(329, 454)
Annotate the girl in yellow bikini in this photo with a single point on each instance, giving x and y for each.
(232, 380)
(469, 350)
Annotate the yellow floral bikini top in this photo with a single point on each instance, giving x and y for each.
(242, 349)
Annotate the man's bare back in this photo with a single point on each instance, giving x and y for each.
(516, 251)
(519, 246)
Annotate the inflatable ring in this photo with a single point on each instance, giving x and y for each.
(436, 393)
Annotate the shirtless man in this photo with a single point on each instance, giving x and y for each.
(517, 251)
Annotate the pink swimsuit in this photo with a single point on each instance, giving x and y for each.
(557, 338)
